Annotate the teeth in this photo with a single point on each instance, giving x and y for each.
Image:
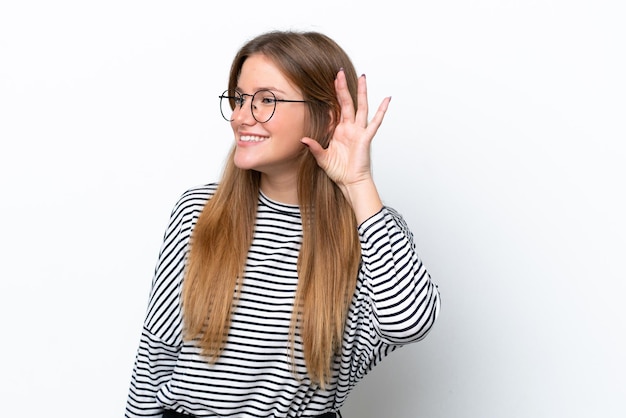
(252, 138)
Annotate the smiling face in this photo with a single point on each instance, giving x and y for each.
(273, 147)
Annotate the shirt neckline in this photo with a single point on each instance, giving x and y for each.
(278, 206)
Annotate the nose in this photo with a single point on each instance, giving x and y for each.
(243, 114)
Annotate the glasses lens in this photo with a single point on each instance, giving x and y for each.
(263, 105)
(227, 104)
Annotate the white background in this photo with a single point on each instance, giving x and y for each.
(503, 147)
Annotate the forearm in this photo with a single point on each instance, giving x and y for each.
(154, 364)
(364, 199)
(405, 300)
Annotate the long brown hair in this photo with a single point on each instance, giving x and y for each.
(330, 252)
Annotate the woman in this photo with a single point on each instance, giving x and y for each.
(278, 288)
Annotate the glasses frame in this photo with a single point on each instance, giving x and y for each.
(241, 97)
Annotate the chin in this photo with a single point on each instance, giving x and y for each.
(244, 165)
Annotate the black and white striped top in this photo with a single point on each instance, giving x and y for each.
(394, 303)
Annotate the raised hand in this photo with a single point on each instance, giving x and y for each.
(346, 160)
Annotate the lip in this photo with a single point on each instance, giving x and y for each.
(251, 138)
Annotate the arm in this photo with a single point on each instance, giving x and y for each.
(405, 302)
(395, 302)
(153, 366)
(161, 338)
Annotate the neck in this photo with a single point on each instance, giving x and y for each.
(283, 189)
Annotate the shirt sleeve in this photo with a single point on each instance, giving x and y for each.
(153, 366)
(395, 302)
(161, 338)
(404, 300)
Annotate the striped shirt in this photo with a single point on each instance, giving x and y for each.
(394, 303)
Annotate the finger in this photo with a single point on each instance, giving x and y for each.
(316, 149)
(362, 110)
(344, 98)
(377, 120)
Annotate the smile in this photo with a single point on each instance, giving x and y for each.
(252, 138)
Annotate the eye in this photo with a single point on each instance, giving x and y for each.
(238, 100)
(265, 97)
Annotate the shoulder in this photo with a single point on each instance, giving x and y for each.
(194, 198)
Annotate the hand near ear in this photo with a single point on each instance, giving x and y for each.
(346, 160)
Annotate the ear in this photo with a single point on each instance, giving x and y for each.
(332, 123)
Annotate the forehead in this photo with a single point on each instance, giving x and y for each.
(259, 72)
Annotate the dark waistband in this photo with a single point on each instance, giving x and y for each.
(168, 413)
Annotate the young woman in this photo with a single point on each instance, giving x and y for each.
(280, 286)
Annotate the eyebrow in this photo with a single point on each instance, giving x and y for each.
(272, 89)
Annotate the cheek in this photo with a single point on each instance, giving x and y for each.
(292, 124)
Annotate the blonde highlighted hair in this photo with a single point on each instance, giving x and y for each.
(330, 253)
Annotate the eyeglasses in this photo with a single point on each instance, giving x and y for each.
(263, 104)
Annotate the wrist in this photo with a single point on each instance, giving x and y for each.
(364, 198)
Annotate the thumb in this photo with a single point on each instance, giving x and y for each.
(314, 146)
